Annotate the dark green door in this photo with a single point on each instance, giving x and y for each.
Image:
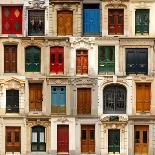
(142, 21)
(32, 59)
(106, 59)
(114, 141)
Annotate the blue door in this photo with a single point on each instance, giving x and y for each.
(91, 19)
(58, 100)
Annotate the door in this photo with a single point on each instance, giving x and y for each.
(63, 138)
(32, 59)
(10, 59)
(142, 21)
(141, 139)
(116, 21)
(106, 59)
(35, 97)
(58, 100)
(143, 97)
(57, 60)
(84, 101)
(82, 62)
(12, 19)
(87, 138)
(91, 19)
(12, 139)
(114, 141)
(65, 23)
(38, 139)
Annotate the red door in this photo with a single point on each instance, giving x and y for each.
(116, 21)
(57, 60)
(12, 19)
(62, 138)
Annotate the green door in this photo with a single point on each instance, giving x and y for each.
(106, 59)
(32, 59)
(114, 141)
(142, 21)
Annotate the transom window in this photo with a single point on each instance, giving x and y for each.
(114, 99)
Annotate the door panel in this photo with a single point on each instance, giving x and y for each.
(91, 19)
(141, 136)
(65, 23)
(10, 59)
(12, 19)
(84, 101)
(35, 97)
(57, 60)
(63, 138)
(13, 139)
(82, 62)
(115, 21)
(143, 97)
(87, 138)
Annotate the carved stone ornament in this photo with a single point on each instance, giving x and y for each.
(82, 42)
(143, 79)
(38, 121)
(62, 120)
(84, 81)
(116, 3)
(37, 4)
(58, 42)
(58, 81)
(107, 119)
(32, 42)
(15, 83)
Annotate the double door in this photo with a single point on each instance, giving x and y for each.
(88, 138)
(141, 139)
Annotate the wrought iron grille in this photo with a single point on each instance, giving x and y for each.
(114, 99)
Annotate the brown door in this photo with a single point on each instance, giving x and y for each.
(143, 97)
(65, 23)
(141, 135)
(12, 139)
(116, 21)
(84, 101)
(88, 138)
(35, 96)
(10, 59)
(82, 62)
(63, 138)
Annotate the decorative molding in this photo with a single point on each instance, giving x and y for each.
(30, 122)
(143, 79)
(37, 4)
(32, 42)
(116, 3)
(82, 42)
(84, 81)
(62, 120)
(57, 42)
(58, 81)
(14, 83)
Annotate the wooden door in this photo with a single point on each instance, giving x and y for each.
(88, 138)
(35, 97)
(141, 139)
(63, 138)
(91, 19)
(115, 21)
(84, 101)
(142, 21)
(58, 100)
(12, 19)
(65, 23)
(57, 60)
(12, 139)
(82, 62)
(143, 97)
(10, 58)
